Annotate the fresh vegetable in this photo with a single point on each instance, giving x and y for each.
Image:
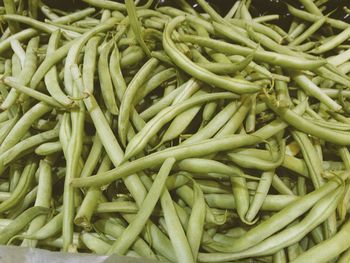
(176, 133)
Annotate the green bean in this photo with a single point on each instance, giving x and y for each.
(130, 92)
(312, 161)
(181, 152)
(180, 123)
(311, 7)
(10, 8)
(18, 50)
(13, 83)
(57, 242)
(226, 68)
(235, 232)
(261, 192)
(87, 23)
(48, 148)
(334, 42)
(105, 79)
(129, 235)
(132, 59)
(49, 62)
(94, 243)
(51, 81)
(252, 66)
(43, 199)
(89, 64)
(21, 222)
(262, 157)
(212, 187)
(232, 11)
(73, 51)
(214, 125)
(169, 88)
(67, 27)
(304, 47)
(14, 175)
(20, 36)
(75, 16)
(196, 165)
(114, 5)
(39, 25)
(257, 163)
(339, 59)
(22, 125)
(135, 25)
(157, 80)
(27, 201)
(317, 215)
(244, 13)
(280, 186)
(251, 118)
(297, 31)
(208, 9)
(233, 124)
(74, 149)
(47, 11)
(161, 104)
(263, 56)
(176, 180)
(184, 63)
(161, 56)
(293, 251)
(208, 112)
(151, 23)
(153, 126)
(233, 34)
(336, 23)
(282, 218)
(295, 23)
(305, 126)
(110, 227)
(92, 196)
(307, 33)
(26, 72)
(50, 229)
(324, 251)
(271, 202)
(176, 233)
(258, 27)
(126, 207)
(5, 130)
(159, 241)
(116, 73)
(108, 139)
(22, 187)
(9, 155)
(189, 88)
(93, 157)
(345, 156)
(329, 74)
(196, 221)
(7, 72)
(241, 195)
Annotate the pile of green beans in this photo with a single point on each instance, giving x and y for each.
(175, 133)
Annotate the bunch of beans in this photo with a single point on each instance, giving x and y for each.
(174, 133)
